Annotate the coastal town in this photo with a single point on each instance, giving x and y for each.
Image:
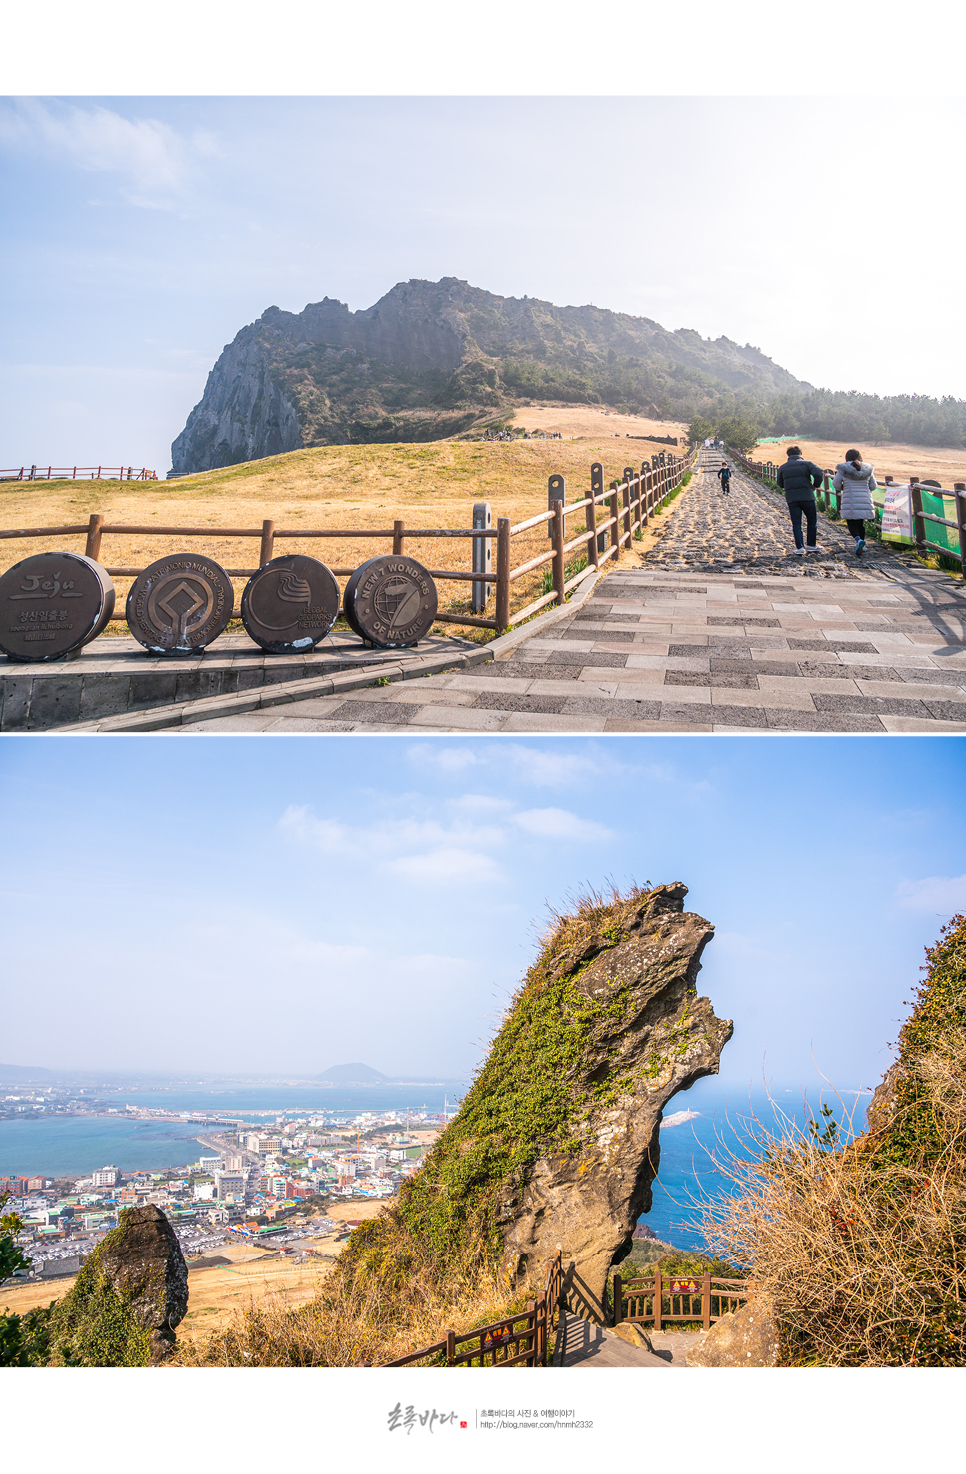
(275, 1184)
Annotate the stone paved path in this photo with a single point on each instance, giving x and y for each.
(651, 651)
(749, 531)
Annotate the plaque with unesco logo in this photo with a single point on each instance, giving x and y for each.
(391, 601)
(290, 604)
(51, 604)
(180, 604)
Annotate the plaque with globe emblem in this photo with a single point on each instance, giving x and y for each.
(51, 604)
(180, 604)
(391, 601)
(290, 604)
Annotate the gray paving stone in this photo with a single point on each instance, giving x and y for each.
(383, 712)
(854, 705)
(497, 701)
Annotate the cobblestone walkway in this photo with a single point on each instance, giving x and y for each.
(749, 531)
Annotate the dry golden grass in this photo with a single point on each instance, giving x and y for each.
(216, 1294)
(890, 459)
(360, 487)
(864, 1258)
(365, 1313)
(585, 421)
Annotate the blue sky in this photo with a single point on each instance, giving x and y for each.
(283, 906)
(147, 231)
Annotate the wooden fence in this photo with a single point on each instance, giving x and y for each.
(702, 1299)
(627, 506)
(830, 501)
(81, 473)
(516, 1340)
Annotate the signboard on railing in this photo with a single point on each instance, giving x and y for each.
(897, 513)
(685, 1287)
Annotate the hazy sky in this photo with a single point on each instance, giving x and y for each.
(288, 904)
(147, 231)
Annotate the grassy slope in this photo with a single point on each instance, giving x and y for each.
(366, 486)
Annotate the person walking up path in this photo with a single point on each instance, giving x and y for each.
(724, 476)
(799, 479)
(855, 482)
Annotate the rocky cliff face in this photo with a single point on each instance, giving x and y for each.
(557, 1142)
(429, 358)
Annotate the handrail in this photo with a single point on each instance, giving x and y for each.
(74, 473)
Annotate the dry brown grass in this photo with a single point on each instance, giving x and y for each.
(367, 486)
(864, 1257)
(890, 458)
(363, 1314)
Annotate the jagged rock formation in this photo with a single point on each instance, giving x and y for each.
(557, 1141)
(127, 1299)
(431, 358)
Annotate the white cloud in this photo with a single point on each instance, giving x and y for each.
(679, 1118)
(940, 894)
(446, 865)
(560, 824)
(156, 160)
(322, 834)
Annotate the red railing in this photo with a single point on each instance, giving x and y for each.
(78, 473)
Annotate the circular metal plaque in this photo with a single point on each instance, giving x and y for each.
(391, 601)
(290, 604)
(180, 604)
(52, 604)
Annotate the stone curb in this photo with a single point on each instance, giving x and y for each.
(502, 647)
(186, 713)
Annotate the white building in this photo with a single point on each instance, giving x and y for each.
(106, 1177)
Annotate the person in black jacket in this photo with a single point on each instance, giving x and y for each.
(724, 476)
(799, 480)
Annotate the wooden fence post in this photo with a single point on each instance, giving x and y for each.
(617, 1310)
(959, 493)
(658, 1293)
(626, 519)
(645, 491)
(93, 548)
(919, 526)
(706, 1300)
(557, 533)
(502, 573)
(397, 538)
(267, 550)
(450, 1347)
(615, 527)
(532, 1313)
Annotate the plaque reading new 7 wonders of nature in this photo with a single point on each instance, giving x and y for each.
(51, 604)
(391, 601)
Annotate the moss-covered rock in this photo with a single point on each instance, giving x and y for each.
(127, 1299)
(557, 1142)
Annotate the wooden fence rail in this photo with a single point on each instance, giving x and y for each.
(830, 501)
(78, 473)
(515, 1340)
(703, 1298)
(627, 506)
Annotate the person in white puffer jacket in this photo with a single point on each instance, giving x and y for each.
(855, 482)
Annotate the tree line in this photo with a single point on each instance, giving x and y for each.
(837, 414)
